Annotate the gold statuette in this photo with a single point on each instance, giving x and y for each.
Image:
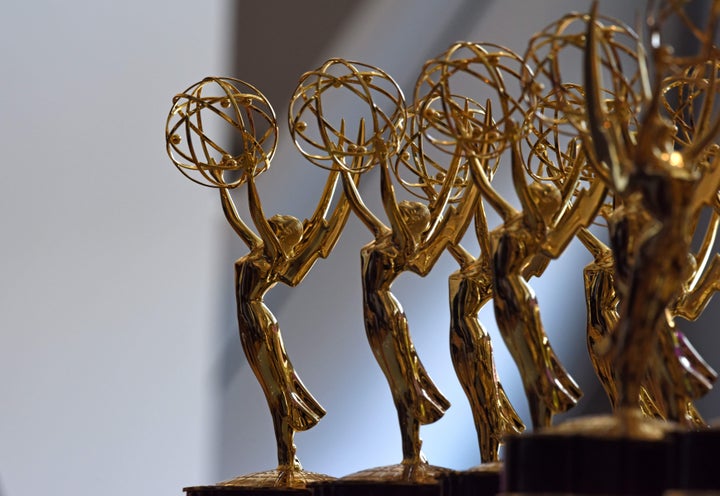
(517, 252)
(553, 208)
(415, 237)
(452, 121)
(666, 181)
(283, 249)
(677, 375)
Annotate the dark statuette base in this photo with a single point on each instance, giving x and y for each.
(483, 480)
(694, 460)
(370, 488)
(580, 464)
(244, 491)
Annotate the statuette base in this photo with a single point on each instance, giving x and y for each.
(268, 483)
(598, 455)
(482, 480)
(390, 480)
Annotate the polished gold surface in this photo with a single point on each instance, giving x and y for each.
(514, 245)
(283, 249)
(412, 241)
(662, 184)
(522, 244)
(628, 155)
(677, 374)
(413, 473)
(458, 126)
(219, 102)
(467, 129)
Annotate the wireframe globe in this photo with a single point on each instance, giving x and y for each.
(199, 132)
(347, 114)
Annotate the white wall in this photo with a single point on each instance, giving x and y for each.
(108, 281)
(120, 367)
